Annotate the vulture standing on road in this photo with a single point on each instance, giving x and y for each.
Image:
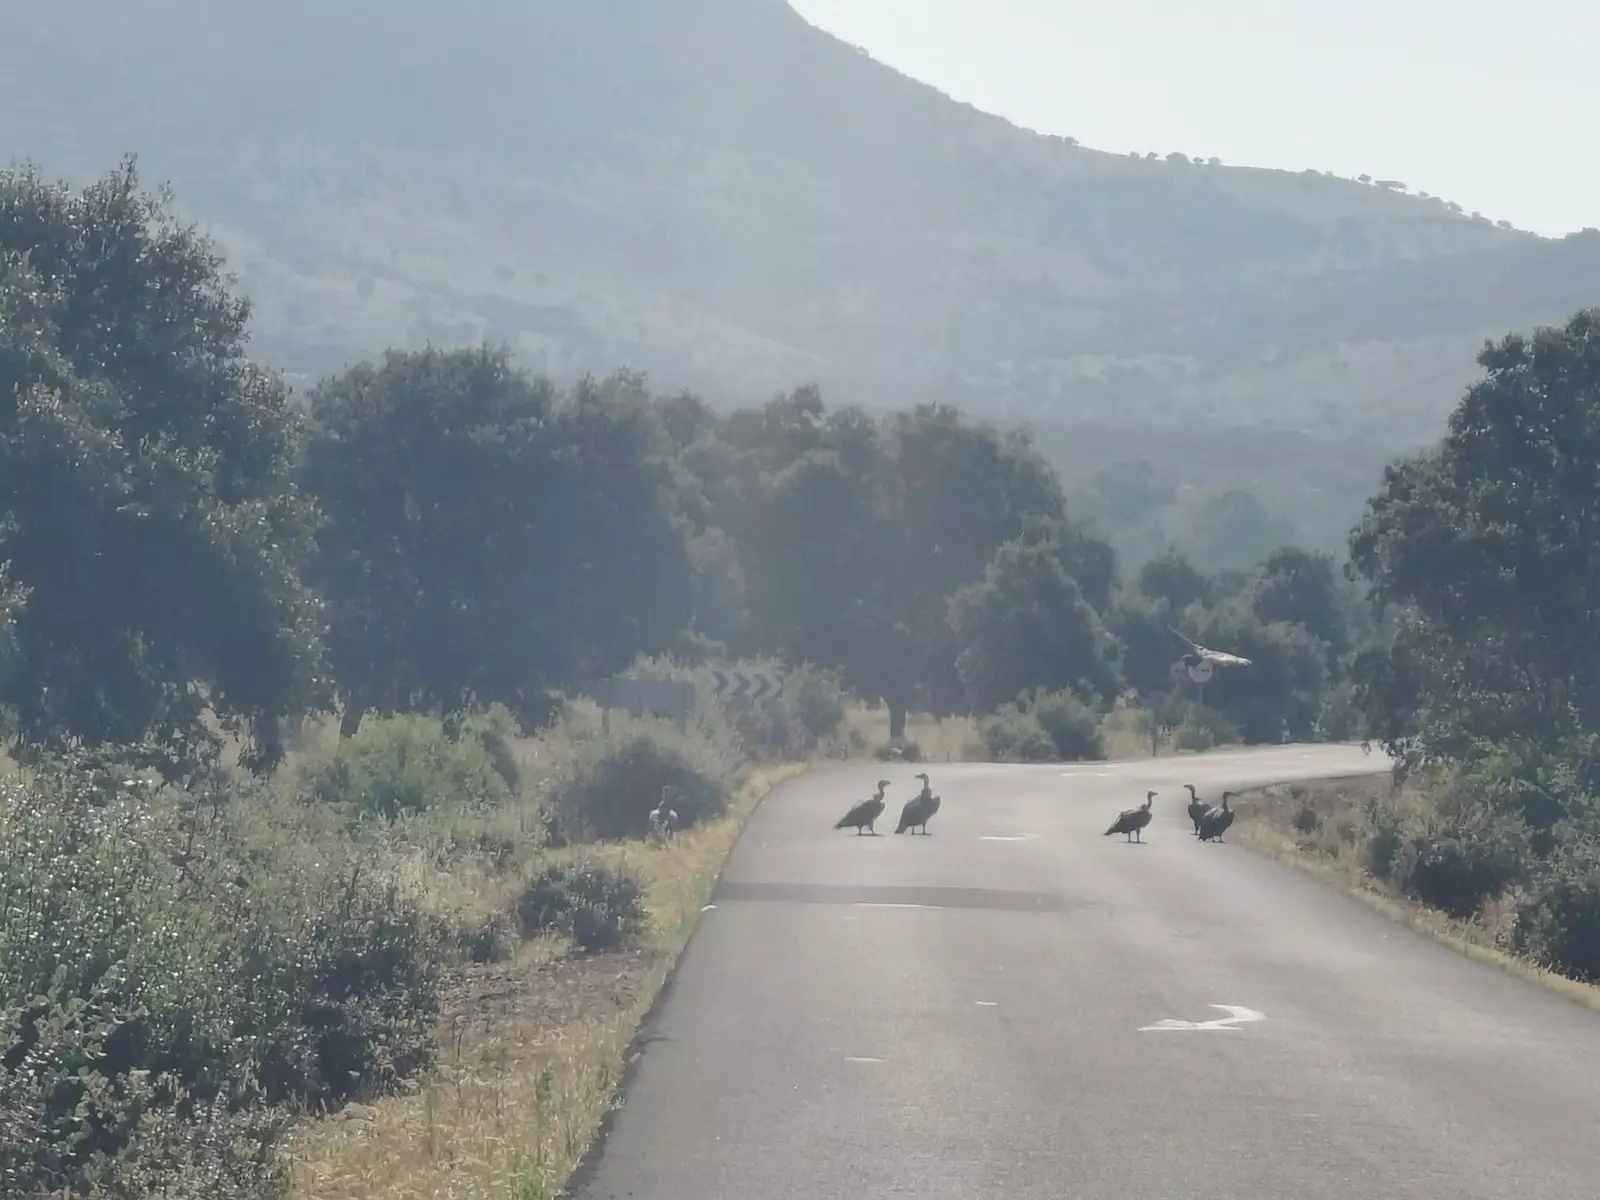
(1131, 820)
(1216, 821)
(1198, 808)
(864, 814)
(918, 809)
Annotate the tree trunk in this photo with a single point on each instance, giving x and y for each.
(897, 719)
(350, 719)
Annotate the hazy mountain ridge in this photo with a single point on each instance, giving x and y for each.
(717, 192)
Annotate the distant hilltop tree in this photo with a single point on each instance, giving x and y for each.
(1364, 178)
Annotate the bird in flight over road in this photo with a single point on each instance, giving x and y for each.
(1199, 654)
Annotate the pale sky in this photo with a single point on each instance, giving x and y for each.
(1493, 105)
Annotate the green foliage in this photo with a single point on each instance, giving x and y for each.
(164, 979)
(1199, 727)
(596, 905)
(1487, 541)
(787, 728)
(148, 522)
(1454, 860)
(488, 537)
(1072, 726)
(1026, 625)
(609, 787)
(408, 764)
(1558, 921)
(1041, 726)
(1012, 734)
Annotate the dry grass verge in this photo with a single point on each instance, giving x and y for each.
(1277, 821)
(532, 1053)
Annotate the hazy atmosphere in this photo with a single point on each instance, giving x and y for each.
(1450, 96)
(675, 599)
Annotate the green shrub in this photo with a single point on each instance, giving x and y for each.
(408, 763)
(1307, 820)
(1202, 728)
(1463, 861)
(1072, 726)
(164, 978)
(1558, 923)
(598, 906)
(792, 726)
(609, 787)
(1010, 734)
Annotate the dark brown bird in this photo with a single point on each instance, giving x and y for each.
(1216, 821)
(1198, 808)
(864, 814)
(1131, 820)
(918, 809)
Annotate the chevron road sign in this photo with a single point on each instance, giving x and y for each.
(752, 685)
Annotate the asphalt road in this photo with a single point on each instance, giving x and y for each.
(964, 1015)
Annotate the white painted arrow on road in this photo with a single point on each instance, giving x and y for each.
(1239, 1016)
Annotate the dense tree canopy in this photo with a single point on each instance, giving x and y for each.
(445, 528)
(145, 479)
(1492, 542)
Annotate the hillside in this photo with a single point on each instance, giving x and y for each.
(719, 193)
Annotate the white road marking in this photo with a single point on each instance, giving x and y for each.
(1239, 1016)
(1021, 837)
(888, 904)
(708, 908)
(855, 1058)
(987, 1003)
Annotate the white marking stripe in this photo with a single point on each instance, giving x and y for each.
(1240, 1016)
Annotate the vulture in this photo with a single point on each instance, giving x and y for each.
(1131, 820)
(663, 817)
(1198, 808)
(864, 814)
(1199, 654)
(1216, 821)
(918, 809)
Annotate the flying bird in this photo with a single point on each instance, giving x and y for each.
(864, 814)
(1131, 820)
(1199, 654)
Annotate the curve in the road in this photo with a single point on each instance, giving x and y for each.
(1017, 1006)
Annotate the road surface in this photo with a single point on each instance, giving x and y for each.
(967, 1015)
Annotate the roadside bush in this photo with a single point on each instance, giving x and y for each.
(1012, 734)
(1201, 728)
(788, 727)
(1072, 726)
(1462, 861)
(794, 725)
(609, 787)
(409, 763)
(598, 906)
(1558, 923)
(164, 979)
